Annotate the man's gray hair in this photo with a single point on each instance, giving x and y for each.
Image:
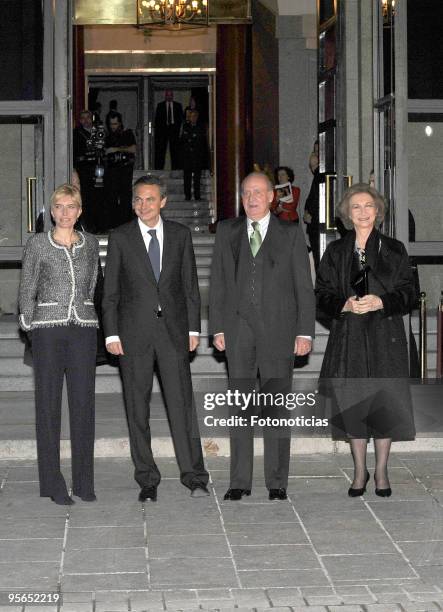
(151, 179)
(270, 186)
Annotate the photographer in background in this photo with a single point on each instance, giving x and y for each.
(120, 149)
(85, 162)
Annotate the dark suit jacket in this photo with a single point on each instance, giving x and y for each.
(288, 307)
(161, 116)
(132, 295)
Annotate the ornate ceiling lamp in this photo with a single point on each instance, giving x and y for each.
(172, 14)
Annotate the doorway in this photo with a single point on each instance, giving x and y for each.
(137, 97)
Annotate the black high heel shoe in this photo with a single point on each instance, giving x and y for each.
(382, 492)
(358, 492)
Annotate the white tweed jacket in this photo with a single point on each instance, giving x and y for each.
(57, 283)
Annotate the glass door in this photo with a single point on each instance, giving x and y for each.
(21, 184)
(26, 122)
(331, 120)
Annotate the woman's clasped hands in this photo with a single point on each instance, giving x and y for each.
(367, 303)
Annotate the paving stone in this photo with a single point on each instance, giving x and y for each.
(180, 596)
(263, 534)
(80, 582)
(286, 597)
(351, 539)
(192, 572)
(241, 512)
(383, 608)
(420, 607)
(324, 600)
(250, 597)
(282, 578)
(144, 600)
(164, 546)
(106, 518)
(204, 594)
(11, 608)
(42, 608)
(77, 596)
(345, 608)
(11, 528)
(80, 538)
(309, 609)
(390, 587)
(275, 557)
(217, 604)
(109, 606)
(364, 567)
(423, 553)
(105, 560)
(76, 607)
(29, 576)
(30, 550)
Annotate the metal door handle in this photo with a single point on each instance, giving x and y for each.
(30, 203)
(328, 200)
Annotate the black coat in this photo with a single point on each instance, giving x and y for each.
(288, 301)
(132, 295)
(371, 346)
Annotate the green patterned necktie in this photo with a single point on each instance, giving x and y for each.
(255, 239)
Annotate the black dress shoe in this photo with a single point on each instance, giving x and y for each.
(63, 500)
(87, 497)
(148, 494)
(358, 492)
(236, 494)
(198, 489)
(277, 494)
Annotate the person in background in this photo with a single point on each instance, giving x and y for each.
(195, 154)
(312, 207)
(364, 287)
(167, 125)
(285, 210)
(120, 149)
(56, 305)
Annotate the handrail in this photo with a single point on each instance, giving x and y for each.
(423, 337)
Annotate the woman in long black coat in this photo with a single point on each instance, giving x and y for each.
(364, 287)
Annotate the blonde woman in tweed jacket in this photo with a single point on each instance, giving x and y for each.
(59, 275)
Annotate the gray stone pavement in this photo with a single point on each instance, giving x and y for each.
(318, 551)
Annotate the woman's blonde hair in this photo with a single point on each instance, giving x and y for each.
(67, 190)
(343, 209)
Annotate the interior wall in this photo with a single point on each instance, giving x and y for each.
(265, 87)
(130, 38)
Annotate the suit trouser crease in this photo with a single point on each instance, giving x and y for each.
(245, 359)
(57, 351)
(174, 370)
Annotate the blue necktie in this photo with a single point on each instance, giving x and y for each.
(154, 253)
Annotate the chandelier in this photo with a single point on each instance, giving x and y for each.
(173, 14)
(388, 10)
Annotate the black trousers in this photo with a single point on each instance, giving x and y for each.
(191, 174)
(162, 138)
(246, 358)
(137, 373)
(57, 351)
(117, 196)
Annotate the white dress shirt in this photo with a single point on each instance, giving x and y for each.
(145, 229)
(170, 109)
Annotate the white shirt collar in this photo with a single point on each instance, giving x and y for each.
(263, 223)
(145, 228)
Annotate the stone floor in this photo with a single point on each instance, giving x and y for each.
(318, 551)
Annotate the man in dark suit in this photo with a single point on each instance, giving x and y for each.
(167, 124)
(261, 312)
(151, 314)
